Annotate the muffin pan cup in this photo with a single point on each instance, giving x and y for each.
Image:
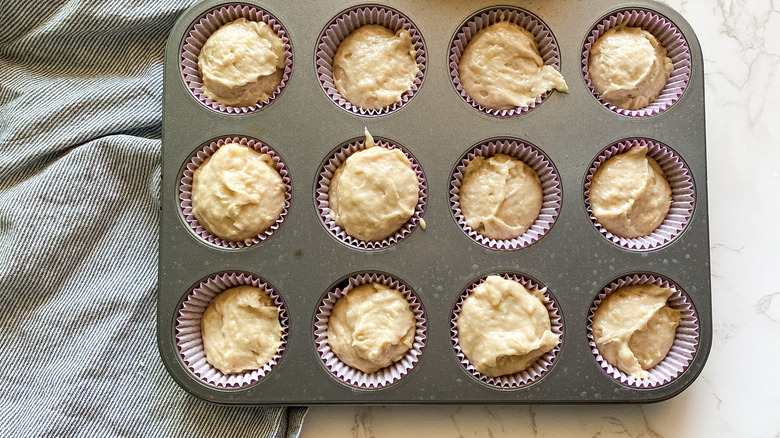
(548, 177)
(686, 336)
(303, 260)
(188, 334)
(680, 181)
(539, 368)
(545, 42)
(323, 201)
(356, 377)
(207, 24)
(197, 160)
(340, 28)
(670, 38)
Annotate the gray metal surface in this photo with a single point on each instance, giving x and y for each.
(302, 260)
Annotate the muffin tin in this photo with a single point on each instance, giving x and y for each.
(304, 261)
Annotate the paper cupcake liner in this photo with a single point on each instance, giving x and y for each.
(551, 191)
(353, 376)
(202, 30)
(686, 339)
(545, 42)
(680, 181)
(323, 203)
(535, 371)
(188, 331)
(669, 37)
(340, 28)
(185, 191)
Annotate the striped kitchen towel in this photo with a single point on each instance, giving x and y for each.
(80, 123)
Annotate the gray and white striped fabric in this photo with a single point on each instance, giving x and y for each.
(80, 122)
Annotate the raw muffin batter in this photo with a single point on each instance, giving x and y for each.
(629, 194)
(634, 328)
(500, 197)
(241, 63)
(241, 330)
(503, 328)
(501, 68)
(374, 67)
(374, 192)
(237, 193)
(628, 67)
(371, 327)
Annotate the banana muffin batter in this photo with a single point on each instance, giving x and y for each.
(503, 328)
(502, 69)
(374, 67)
(237, 193)
(241, 330)
(500, 196)
(241, 63)
(634, 328)
(628, 67)
(371, 327)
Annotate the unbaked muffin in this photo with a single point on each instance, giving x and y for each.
(241, 63)
(240, 330)
(629, 195)
(501, 68)
(237, 193)
(373, 192)
(628, 67)
(634, 328)
(371, 327)
(374, 67)
(503, 328)
(500, 196)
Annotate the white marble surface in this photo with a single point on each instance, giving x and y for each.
(738, 393)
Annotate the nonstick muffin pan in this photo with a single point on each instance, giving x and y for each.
(302, 262)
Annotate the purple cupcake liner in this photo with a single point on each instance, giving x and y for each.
(551, 191)
(202, 30)
(323, 203)
(340, 28)
(686, 339)
(188, 331)
(353, 376)
(670, 38)
(535, 371)
(680, 181)
(548, 49)
(185, 191)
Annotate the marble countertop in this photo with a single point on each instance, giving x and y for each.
(738, 393)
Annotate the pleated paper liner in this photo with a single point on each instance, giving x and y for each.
(202, 30)
(185, 191)
(346, 23)
(323, 203)
(680, 181)
(548, 49)
(670, 38)
(188, 330)
(536, 160)
(686, 338)
(531, 374)
(353, 376)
